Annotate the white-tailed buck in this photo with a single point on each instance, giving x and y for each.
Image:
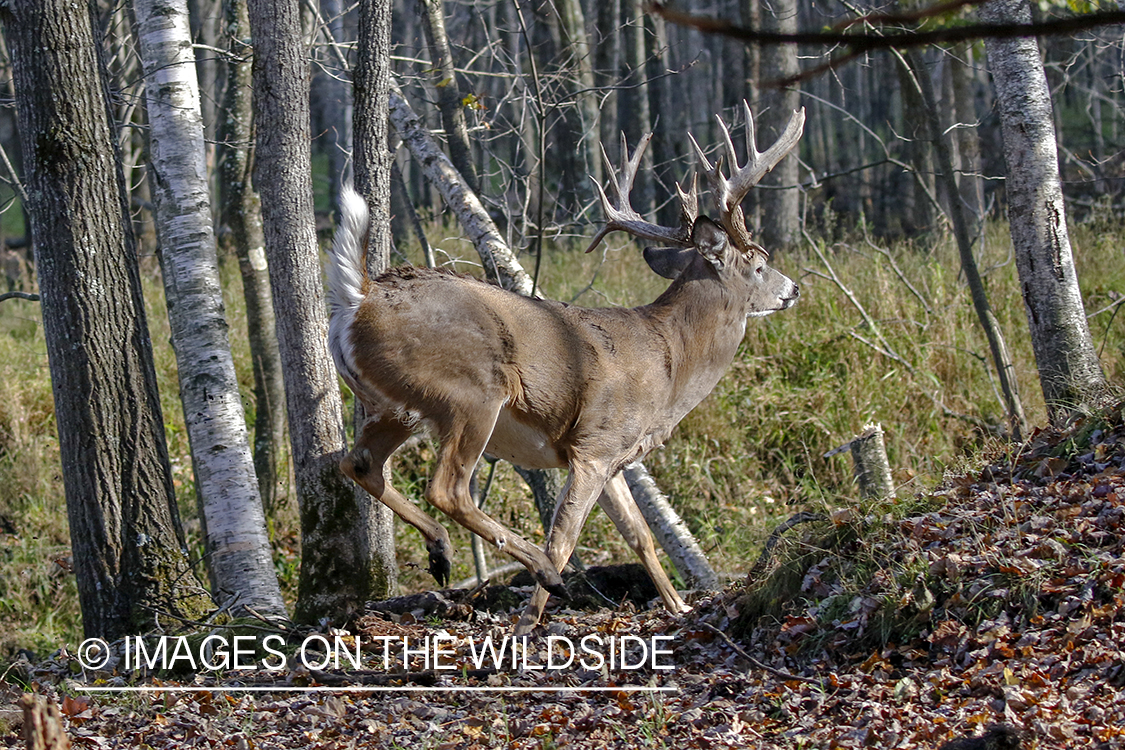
(543, 384)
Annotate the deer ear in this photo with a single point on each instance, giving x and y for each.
(669, 262)
(710, 240)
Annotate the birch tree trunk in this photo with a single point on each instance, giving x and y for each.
(125, 533)
(336, 577)
(500, 263)
(241, 210)
(1069, 370)
(238, 550)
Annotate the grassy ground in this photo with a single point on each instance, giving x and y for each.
(752, 454)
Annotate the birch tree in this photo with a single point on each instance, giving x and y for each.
(238, 550)
(129, 557)
(241, 212)
(1069, 371)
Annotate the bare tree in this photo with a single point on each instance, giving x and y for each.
(241, 212)
(1069, 370)
(238, 549)
(128, 547)
(371, 83)
(780, 207)
(1001, 359)
(336, 574)
(450, 102)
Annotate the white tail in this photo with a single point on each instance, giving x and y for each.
(543, 384)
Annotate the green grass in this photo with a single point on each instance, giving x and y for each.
(748, 457)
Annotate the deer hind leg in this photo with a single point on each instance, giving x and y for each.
(366, 464)
(582, 489)
(463, 438)
(618, 504)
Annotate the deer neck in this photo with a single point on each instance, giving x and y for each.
(703, 319)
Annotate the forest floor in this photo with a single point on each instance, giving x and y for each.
(996, 598)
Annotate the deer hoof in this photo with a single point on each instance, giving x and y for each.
(356, 464)
(553, 582)
(440, 565)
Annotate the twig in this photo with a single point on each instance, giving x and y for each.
(19, 295)
(760, 665)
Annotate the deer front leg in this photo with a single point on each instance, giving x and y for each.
(583, 487)
(619, 505)
(366, 465)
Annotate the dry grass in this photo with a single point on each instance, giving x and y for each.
(749, 456)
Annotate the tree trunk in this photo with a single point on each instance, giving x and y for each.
(242, 213)
(336, 105)
(780, 209)
(1069, 370)
(125, 534)
(238, 549)
(1005, 370)
(371, 80)
(334, 580)
(500, 263)
(968, 142)
(586, 95)
(450, 102)
(672, 534)
(636, 112)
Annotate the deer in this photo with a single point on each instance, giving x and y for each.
(544, 384)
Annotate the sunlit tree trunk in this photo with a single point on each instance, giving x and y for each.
(238, 551)
(334, 580)
(125, 534)
(1069, 370)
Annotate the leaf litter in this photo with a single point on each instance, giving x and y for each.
(995, 599)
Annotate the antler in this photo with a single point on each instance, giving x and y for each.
(620, 215)
(728, 193)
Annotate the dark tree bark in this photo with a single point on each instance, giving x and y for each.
(371, 81)
(334, 580)
(242, 213)
(1069, 370)
(127, 543)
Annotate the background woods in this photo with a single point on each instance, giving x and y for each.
(891, 208)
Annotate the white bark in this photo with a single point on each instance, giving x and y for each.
(671, 532)
(237, 545)
(1069, 371)
(500, 262)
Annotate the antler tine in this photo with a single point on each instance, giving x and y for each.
(620, 215)
(728, 193)
(689, 202)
